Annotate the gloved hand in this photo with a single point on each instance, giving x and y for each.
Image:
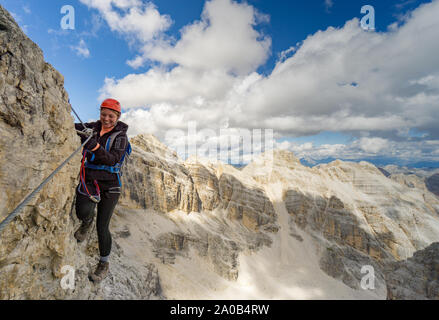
(88, 131)
(84, 134)
(91, 144)
(83, 138)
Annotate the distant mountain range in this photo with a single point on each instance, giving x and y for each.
(378, 162)
(427, 171)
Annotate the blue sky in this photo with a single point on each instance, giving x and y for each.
(305, 69)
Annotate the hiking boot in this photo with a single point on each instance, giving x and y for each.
(100, 273)
(81, 233)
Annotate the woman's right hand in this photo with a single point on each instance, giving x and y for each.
(88, 132)
(84, 134)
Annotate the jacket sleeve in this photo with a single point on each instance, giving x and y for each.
(110, 158)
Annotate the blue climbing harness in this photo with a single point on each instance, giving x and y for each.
(117, 168)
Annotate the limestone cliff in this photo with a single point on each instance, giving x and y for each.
(357, 216)
(35, 136)
(415, 277)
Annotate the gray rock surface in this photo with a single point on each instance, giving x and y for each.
(432, 183)
(416, 278)
(35, 137)
(154, 181)
(220, 247)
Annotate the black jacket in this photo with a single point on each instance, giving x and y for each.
(103, 157)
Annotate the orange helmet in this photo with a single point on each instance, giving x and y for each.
(111, 104)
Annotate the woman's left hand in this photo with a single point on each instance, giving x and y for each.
(91, 144)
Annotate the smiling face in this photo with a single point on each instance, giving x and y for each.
(108, 118)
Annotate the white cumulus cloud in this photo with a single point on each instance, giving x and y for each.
(81, 49)
(372, 145)
(223, 39)
(133, 18)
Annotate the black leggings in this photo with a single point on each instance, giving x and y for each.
(85, 212)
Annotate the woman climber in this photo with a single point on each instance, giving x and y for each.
(100, 183)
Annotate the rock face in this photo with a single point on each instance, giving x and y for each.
(249, 205)
(154, 181)
(416, 277)
(385, 172)
(35, 136)
(409, 180)
(432, 183)
(206, 184)
(216, 247)
(420, 178)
